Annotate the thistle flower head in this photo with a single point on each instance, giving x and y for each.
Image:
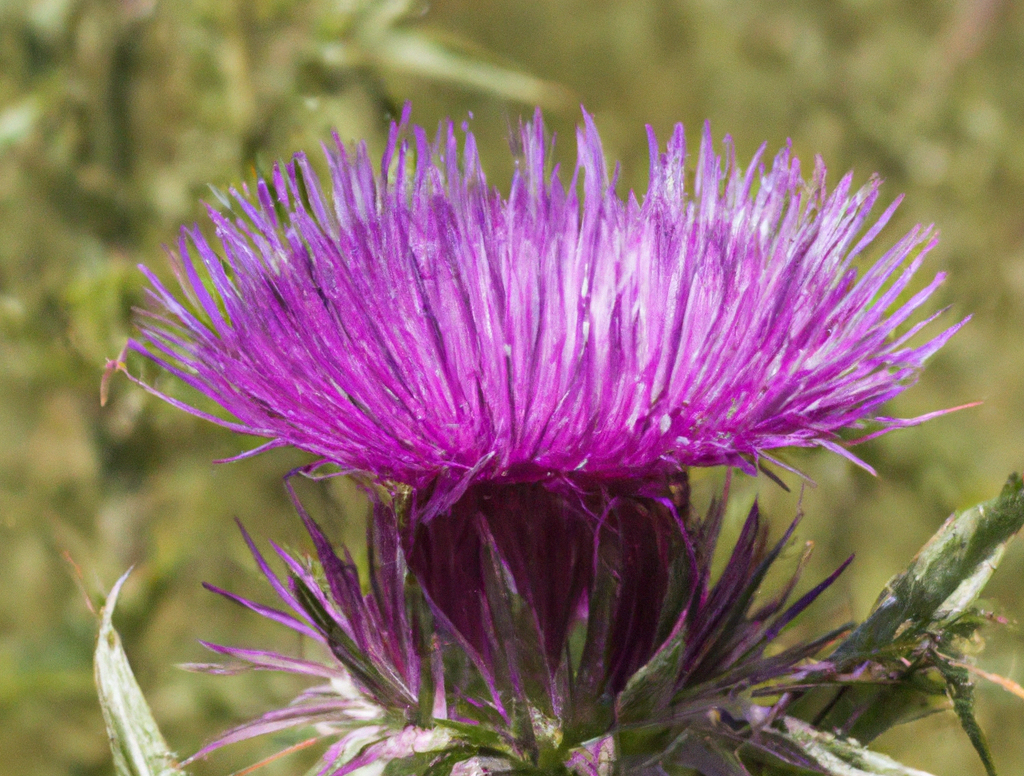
(415, 324)
(528, 378)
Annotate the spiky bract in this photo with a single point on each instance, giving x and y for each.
(531, 661)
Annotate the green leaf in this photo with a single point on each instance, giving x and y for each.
(402, 51)
(378, 39)
(961, 690)
(135, 741)
(868, 710)
(922, 613)
(478, 736)
(944, 579)
(843, 757)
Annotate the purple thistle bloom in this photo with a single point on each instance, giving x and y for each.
(529, 378)
(416, 325)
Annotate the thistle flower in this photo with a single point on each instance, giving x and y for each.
(419, 327)
(523, 382)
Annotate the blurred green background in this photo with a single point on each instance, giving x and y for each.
(114, 117)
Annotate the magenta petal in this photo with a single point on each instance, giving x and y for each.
(422, 327)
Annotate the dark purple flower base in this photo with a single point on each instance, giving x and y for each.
(543, 619)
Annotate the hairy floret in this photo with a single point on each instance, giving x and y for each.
(417, 325)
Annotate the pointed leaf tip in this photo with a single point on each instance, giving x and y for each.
(137, 746)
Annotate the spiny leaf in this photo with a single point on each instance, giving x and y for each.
(844, 757)
(946, 576)
(135, 740)
(961, 690)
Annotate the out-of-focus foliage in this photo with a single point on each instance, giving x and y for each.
(116, 114)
